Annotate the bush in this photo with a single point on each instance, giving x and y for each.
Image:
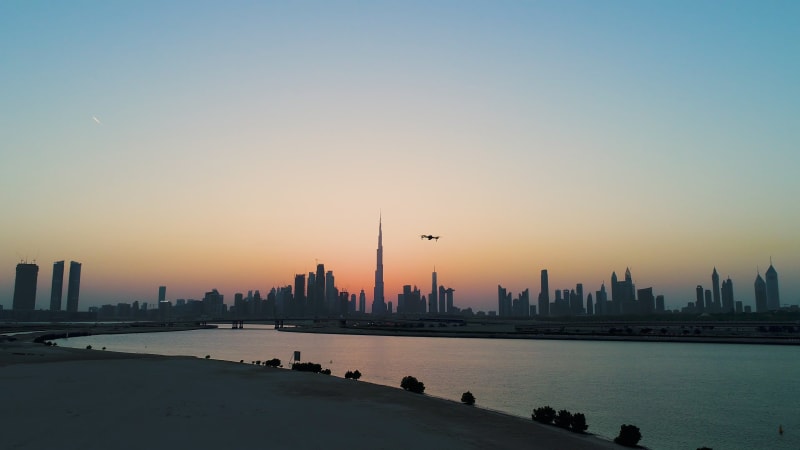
(578, 424)
(467, 398)
(545, 414)
(307, 367)
(274, 362)
(208, 356)
(629, 436)
(88, 347)
(563, 419)
(354, 375)
(410, 383)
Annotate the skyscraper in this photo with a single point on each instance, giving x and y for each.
(761, 294)
(74, 287)
(25, 287)
(299, 305)
(773, 298)
(433, 302)
(728, 304)
(57, 290)
(162, 293)
(699, 305)
(544, 295)
(717, 306)
(378, 300)
(319, 288)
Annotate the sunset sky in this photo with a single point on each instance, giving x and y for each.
(231, 145)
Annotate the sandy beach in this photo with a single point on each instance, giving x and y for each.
(64, 398)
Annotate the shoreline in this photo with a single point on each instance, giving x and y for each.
(208, 403)
(499, 334)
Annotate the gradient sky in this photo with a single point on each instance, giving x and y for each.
(240, 142)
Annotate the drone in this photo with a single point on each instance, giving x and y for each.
(429, 237)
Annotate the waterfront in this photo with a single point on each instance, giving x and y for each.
(680, 395)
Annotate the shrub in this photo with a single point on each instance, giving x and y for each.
(274, 362)
(208, 356)
(578, 424)
(467, 398)
(88, 347)
(410, 383)
(563, 419)
(545, 414)
(356, 374)
(629, 436)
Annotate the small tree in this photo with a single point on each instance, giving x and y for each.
(629, 436)
(356, 374)
(578, 424)
(88, 347)
(410, 383)
(545, 414)
(467, 398)
(563, 419)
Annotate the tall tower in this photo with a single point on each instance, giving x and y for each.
(433, 304)
(162, 293)
(544, 295)
(319, 288)
(25, 287)
(773, 299)
(74, 287)
(378, 301)
(715, 290)
(58, 286)
(761, 294)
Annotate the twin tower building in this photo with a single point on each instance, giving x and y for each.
(27, 278)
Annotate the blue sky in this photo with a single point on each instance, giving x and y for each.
(239, 143)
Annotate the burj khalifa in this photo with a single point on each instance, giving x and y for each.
(378, 302)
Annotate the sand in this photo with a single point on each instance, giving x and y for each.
(63, 398)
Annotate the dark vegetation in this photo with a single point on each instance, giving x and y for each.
(564, 419)
(50, 336)
(310, 367)
(629, 436)
(352, 375)
(410, 383)
(274, 362)
(467, 398)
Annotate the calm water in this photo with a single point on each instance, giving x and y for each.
(681, 396)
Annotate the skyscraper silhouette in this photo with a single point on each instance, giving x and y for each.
(25, 287)
(728, 304)
(378, 300)
(57, 290)
(761, 294)
(433, 302)
(773, 298)
(74, 287)
(717, 306)
(544, 295)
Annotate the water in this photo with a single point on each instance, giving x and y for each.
(681, 396)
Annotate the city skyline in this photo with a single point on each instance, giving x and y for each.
(234, 146)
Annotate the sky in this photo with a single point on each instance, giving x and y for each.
(232, 145)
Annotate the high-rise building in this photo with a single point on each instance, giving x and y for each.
(728, 303)
(57, 290)
(503, 302)
(74, 286)
(699, 305)
(601, 301)
(544, 295)
(331, 295)
(773, 298)
(362, 302)
(25, 287)
(319, 294)
(162, 293)
(298, 307)
(378, 300)
(717, 301)
(433, 302)
(761, 294)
